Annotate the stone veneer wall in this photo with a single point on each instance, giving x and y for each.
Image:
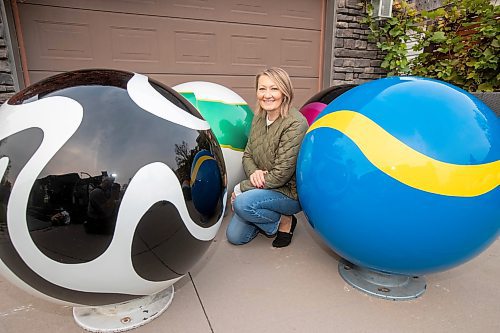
(355, 59)
(6, 81)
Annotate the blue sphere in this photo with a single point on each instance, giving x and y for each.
(401, 175)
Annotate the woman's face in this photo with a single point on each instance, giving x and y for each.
(268, 94)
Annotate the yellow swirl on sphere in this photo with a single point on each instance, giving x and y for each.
(407, 165)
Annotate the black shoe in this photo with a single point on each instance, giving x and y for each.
(285, 238)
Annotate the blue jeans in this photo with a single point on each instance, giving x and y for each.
(258, 210)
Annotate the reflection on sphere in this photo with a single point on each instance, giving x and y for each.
(92, 204)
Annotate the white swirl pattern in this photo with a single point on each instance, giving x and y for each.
(144, 95)
(112, 272)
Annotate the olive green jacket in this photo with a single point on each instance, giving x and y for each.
(274, 148)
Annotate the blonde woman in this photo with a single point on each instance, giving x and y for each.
(267, 200)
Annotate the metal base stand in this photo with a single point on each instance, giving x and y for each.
(389, 286)
(124, 316)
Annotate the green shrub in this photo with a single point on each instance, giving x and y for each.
(391, 36)
(460, 42)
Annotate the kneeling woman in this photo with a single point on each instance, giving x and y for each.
(267, 200)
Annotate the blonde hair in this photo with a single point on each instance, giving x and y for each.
(280, 77)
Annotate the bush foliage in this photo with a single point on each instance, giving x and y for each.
(458, 43)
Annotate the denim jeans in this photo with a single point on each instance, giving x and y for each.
(258, 210)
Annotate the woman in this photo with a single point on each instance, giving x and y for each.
(267, 200)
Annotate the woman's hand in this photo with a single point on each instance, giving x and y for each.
(257, 178)
(233, 196)
(236, 192)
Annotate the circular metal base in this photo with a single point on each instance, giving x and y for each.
(389, 286)
(124, 316)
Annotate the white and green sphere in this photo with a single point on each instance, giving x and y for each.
(229, 117)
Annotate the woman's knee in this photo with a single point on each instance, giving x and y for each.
(239, 232)
(234, 236)
(234, 240)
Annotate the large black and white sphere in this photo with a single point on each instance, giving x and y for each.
(92, 205)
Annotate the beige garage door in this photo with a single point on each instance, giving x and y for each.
(175, 41)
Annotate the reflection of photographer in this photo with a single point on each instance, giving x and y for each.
(103, 201)
(60, 218)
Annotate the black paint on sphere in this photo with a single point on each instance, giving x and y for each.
(327, 95)
(163, 249)
(117, 137)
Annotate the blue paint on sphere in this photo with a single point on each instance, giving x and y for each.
(378, 222)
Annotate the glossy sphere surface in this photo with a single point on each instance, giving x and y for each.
(229, 117)
(92, 208)
(313, 107)
(206, 182)
(401, 175)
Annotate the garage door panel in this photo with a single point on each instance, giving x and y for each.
(149, 7)
(134, 44)
(195, 47)
(130, 43)
(162, 45)
(296, 55)
(248, 50)
(303, 12)
(296, 13)
(194, 7)
(268, 46)
(51, 38)
(108, 40)
(64, 40)
(177, 41)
